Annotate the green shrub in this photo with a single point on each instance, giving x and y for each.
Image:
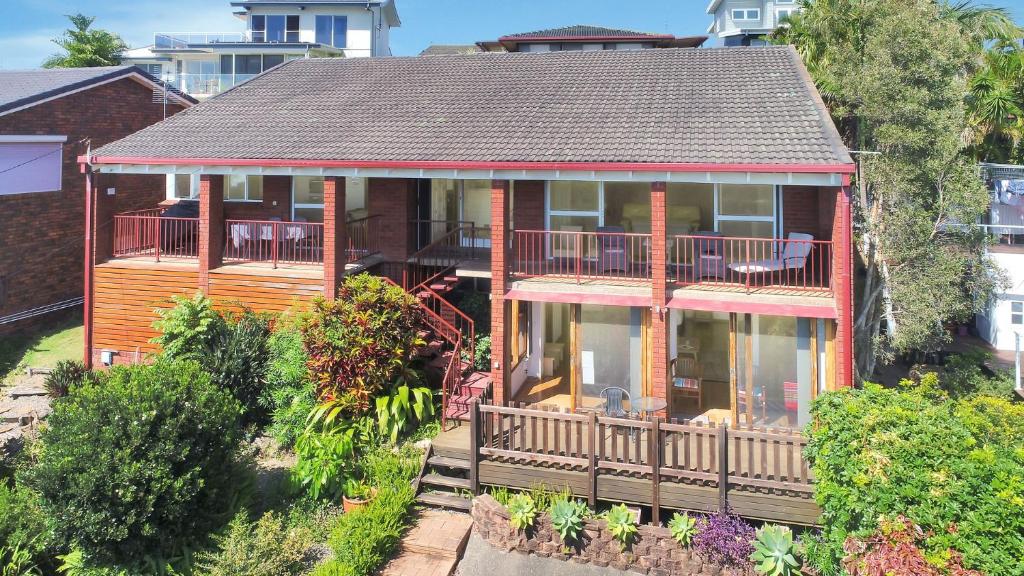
(364, 539)
(267, 547)
(953, 467)
(189, 327)
(236, 358)
(333, 568)
(23, 524)
(963, 375)
(521, 511)
(361, 343)
(141, 465)
(289, 395)
(621, 525)
(325, 459)
(66, 375)
(17, 561)
(774, 552)
(403, 409)
(482, 351)
(683, 528)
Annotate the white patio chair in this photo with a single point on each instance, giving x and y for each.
(793, 257)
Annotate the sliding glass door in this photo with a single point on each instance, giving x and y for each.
(611, 352)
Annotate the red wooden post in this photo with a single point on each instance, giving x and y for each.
(89, 239)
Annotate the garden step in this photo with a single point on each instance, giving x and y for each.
(431, 349)
(477, 381)
(443, 500)
(446, 462)
(446, 481)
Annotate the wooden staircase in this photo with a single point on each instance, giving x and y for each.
(444, 481)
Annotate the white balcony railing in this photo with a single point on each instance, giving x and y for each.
(207, 84)
(177, 40)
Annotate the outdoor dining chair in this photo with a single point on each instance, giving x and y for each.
(613, 250)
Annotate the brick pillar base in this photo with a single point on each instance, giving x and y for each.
(499, 307)
(659, 312)
(335, 238)
(211, 227)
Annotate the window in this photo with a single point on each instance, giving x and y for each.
(275, 28)
(784, 14)
(186, 186)
(746, 14)
(1017, 312)
(308, 196)
(241, 188)
(332, 30)
(30, 164)
(521, 319)
(248, 64)
(258, 24)
(271, 60)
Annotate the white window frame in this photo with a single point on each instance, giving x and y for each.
(774, 218)
(1020, 305)
(745, 14)
(783, 13)
(193, 187)
(246, 199)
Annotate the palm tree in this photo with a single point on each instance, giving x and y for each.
(995, 104)
(85, 48)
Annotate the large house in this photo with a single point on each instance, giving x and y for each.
(747, 22)
(671, 222)
(48, 118)
(204, 64)
(1001, 323)
(578, 37)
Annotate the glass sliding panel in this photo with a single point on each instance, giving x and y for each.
(323, 30)
(275, 28)
(699, 362)
(248, 64)
(746, 200)
(259, 28)
(183, 186)
(574, 196)
(234, 188)
(690, 208)
(628, 204)
(254, 187)
(292, 28)
(355, 197)
(340, 31)
(476, 208)
(610, 350)
(271, 60)
(308, 198)
(773, 385)
(746, 229)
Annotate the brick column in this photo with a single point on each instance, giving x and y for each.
(659, 313)
(842, 276)
(335, 237)
(499, 307)
(211, 227)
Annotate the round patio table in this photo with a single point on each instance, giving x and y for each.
(650, 404)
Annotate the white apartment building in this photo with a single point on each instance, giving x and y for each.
(746, 22)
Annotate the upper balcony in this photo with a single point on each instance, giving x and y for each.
(184, 40)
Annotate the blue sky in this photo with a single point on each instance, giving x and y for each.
(27, 26)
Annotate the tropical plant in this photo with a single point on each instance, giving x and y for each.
(683, 528)
(289, 395)
(237, 357)
(403, 409)
(85, 47)
(482, 353)
(621, 524)
(66, 374)
(894, 75)
(17, 561)
(894, 550)
(324, 460)
(267, 547)
(189, 327)
(952, 467)
(521, 511)
(360, 343)
(774, 552)
(142, 465)
(567, 520)
(724, 539)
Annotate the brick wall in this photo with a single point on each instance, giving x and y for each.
(528, 205)
(42, 238)
(394, 199)
(276, 189)
(801, 211)
(653, 552)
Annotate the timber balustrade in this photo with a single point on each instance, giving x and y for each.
(758, 473)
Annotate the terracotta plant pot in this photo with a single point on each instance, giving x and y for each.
(357, 503)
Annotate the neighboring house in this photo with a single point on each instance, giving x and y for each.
(578, 37)
(747, 22)
(1003, 319)
(204, 64)
(47, 119)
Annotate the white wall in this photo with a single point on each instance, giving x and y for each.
(359, 36)
(994, 326)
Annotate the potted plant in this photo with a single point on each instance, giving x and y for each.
(356, 493)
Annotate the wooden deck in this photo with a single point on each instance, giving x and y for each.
(658, 464)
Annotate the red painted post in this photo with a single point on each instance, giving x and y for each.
(156, 236)
(89, 240)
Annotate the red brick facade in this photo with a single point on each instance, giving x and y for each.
(211, 227)
(528, 205)
(800, 211)
(499, 306)
(334, 234)
(394, 200)
(41, 246)
(659, 313)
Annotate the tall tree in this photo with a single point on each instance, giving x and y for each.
(85, 47)
(895, 75)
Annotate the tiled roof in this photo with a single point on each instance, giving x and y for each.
(443, 49)
(583, 30)
(20, 88)
(715, 105)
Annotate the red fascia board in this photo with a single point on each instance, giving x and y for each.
(605, 38)
(452, 165)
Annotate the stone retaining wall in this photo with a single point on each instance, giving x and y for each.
(654, 551)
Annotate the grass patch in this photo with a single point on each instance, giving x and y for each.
(62, 338)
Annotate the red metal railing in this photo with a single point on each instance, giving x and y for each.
(450, 314)
(786, 264)
(273, 241)
(147, 233)
(363, 238)
(581, 255)
(439, 257)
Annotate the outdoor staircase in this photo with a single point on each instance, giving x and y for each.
(444, 480)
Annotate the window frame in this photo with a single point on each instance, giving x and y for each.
(246, 199)
(332, 31)
(1017, 316)
(746, 14)
(56, 140)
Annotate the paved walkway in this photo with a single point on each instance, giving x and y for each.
(481, 559)
(433, 546)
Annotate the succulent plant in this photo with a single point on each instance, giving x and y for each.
(567, 519)
(521, 511)
(683, 528)
(621, 524)
(774, 552)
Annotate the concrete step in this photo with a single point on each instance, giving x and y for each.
(445, 481)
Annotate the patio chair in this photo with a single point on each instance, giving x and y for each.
(614, 402)
(613, 251)
(688, 379)
(794, 257)
(791, 400)
(759, 400)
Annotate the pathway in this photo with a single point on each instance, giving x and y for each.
(433, 546)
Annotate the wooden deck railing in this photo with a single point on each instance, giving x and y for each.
(147, 233)
(653, 455)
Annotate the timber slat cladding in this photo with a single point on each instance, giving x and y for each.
(124, 300)
(267, 293)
